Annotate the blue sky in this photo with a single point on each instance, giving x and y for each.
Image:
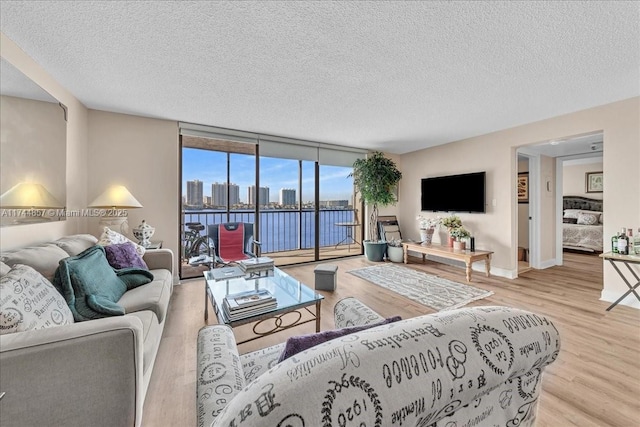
(210, 166)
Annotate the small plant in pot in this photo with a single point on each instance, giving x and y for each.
(395, 251)
(459, 234)
(450, 223)
(375, 178)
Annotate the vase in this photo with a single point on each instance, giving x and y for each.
(451, 240)
(426, 235)
(459, 245)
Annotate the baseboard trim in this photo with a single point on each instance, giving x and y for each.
(547, 264)
(629, 301)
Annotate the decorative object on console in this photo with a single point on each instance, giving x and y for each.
(459, 233)
(32, 199)
(427, 227)
(116, 199)
(143, 233)
(450, 223)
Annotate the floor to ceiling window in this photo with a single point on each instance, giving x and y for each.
(298, 195)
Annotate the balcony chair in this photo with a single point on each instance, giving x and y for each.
(232, 242)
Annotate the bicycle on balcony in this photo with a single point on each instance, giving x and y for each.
(195, 246)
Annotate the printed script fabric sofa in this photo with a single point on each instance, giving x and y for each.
(94, 372)
(471, 366)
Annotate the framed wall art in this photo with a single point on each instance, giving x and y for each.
(593, 182)
(523, 187)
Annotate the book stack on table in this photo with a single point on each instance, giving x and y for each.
(248, 303)
(256, 265)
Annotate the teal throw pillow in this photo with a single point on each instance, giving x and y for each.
(92, 287)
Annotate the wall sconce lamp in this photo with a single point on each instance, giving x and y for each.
(115, 200)
(30, 200)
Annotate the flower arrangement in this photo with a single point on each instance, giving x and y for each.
(452, 222)
(426, 223)
(459, 233)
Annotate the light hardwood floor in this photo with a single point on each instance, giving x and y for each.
(594, 382)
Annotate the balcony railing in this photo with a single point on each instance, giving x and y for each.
(283, 229)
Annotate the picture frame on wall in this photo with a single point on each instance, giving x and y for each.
(523, 187)
(594, 182)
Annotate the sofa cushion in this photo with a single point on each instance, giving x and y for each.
(152, 296)
(28, 301)
(297, 344)
(75, 244)
(110, 237)
(123, 255)
(44, 258)
(91, 287)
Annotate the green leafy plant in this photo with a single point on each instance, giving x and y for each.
(375, 178)
(459, 233)
(452, 222)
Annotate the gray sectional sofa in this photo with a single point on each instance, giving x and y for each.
(94, 372)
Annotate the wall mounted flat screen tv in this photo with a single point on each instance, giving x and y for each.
(454, 193)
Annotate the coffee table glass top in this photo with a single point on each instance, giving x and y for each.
(290, 293)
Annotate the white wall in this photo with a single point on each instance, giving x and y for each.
(76, 155)
(573, 178)
(495, 153)
(141, 154)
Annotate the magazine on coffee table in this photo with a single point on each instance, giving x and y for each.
(252, 298)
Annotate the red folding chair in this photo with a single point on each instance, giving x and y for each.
(233, 242)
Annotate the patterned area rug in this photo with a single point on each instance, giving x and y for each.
(432, 291)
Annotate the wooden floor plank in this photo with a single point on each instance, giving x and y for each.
(594, 382)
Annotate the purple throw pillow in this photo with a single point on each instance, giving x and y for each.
(301, 343)
(123, 255)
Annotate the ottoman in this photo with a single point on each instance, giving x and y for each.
(326, 277)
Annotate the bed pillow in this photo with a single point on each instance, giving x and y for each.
(587, 218)
(571, 213)
(28, 301)
(570, 220)
(110, 237)
(123, 255)
(297, 344)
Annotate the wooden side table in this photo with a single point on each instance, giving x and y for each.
(627, 260)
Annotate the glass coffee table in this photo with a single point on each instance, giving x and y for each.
(294, 300)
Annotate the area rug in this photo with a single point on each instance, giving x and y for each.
(432, 291)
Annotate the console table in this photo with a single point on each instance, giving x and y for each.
(449, 253)
(626, 260)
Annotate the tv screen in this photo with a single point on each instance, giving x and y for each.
(454, 193)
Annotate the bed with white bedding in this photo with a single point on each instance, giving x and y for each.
(582, 224)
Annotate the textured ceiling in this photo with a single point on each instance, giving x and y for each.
(397, 76)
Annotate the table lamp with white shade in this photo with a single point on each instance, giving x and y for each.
(32, 199)
(112, 199)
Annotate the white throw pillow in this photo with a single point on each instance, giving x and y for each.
(28, 301)
(110, 237)
(571, 213)
(587, 218)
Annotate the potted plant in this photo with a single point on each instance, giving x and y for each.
(427, 227)
(450, 223)
(395, 251)
(375, 178)
(458, 234)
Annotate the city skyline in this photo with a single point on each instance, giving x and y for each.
(276, 174)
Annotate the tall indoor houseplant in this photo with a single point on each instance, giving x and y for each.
(375, 178)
